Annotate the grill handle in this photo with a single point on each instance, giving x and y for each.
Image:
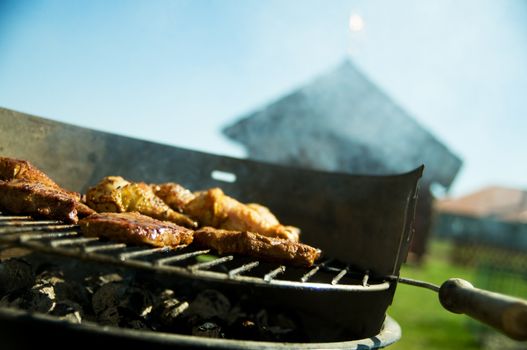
(505, 313)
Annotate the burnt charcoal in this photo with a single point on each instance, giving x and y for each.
(137, 301)
(109, 317)
(209, 304)
(135, 324)
(166, 311)
(166, 294)
(92, 283)
(106, 300)
(117, 302)
(124, 300)
(69, 311)
(44, 269)
(15, 274)
(50, 276)
(276, 326)
(107, 296)
(208, 330)
(14, 299)
(244, 329)
(161, 298)
(75, 292)
(64, 290)
(236, 314)
(40, 298)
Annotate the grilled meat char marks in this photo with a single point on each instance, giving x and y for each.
(135, 228)
(36, 199)
(256, 245)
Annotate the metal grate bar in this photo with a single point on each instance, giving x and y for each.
(339, 276)
(103, 247)
(32, 236)
(243, 268)
(73, 241)
(180, 257)
(314, 270)
(365, 279)
(30, 223)
(269, 276)
(20, 229)
(142, 252)
(310, 274)
(13, 217)
(209, 264)
(64, 239)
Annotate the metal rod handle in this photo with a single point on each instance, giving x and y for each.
(505, 313)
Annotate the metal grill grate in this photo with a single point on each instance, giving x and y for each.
(57, 238)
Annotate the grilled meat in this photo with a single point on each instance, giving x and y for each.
(83, 210)
(33, 192)
(117, 195)
(37, 199)
(264, 212)
(173, 194)
(136, 229)
(214, 208)
(11, 169)
(257, 245)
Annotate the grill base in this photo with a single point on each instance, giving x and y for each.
(336, 310)
(15, 325)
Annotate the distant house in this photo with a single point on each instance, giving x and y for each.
(501, 203)
(494, 216)
(341, 121)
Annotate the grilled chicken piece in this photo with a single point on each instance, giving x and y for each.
(11, 169)
(117, 195)
(258, 246)
(264, 213)
(214, 208)
(37, 199)
(173, 194)
(135, 228)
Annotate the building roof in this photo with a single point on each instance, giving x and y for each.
(507, 204)
(341, 121)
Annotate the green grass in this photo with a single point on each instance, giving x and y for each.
(424, 322)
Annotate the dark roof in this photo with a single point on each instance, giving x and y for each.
(341, 121)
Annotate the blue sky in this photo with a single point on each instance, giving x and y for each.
(177, 71)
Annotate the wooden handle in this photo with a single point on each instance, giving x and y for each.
(505, 313)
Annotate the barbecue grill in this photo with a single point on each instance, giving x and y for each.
(363, 224)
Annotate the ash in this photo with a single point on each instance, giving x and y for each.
(121, 298)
